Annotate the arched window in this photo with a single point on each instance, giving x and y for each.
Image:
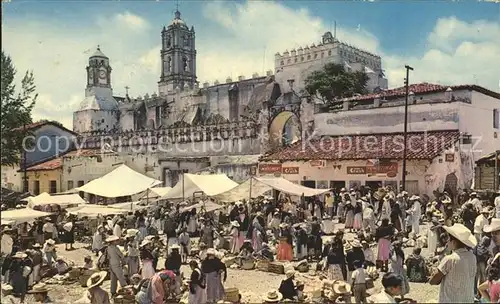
(185, 64)
(302, 58)
(282, 62)
(308, 57)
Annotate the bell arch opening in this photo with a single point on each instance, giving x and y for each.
(285, 129)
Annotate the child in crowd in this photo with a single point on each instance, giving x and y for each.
(359, 276)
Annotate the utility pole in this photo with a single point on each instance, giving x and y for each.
(405, 134)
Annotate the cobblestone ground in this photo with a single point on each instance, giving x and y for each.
(251, 283)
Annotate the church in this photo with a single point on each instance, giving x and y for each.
(224, 127)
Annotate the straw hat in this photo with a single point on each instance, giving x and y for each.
(493, 226)
(50, 242)
(211, 251)
(415, 198)
(355, 244)
(112, 238)
(235, 224)
(36, 246)
(96, 279)
(273, 296)
(485, 210)
(461, 233)
(132, 233)
(290, 273)
(343, 190)
(175, 246)
(144, 243)
(341, 287)
(20, 255)
(39, 288)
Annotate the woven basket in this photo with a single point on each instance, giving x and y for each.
(232, 295)
(303, 268)
(276, 267)
(262, 265)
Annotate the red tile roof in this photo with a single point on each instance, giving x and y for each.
(421, 145)
(421, 88)
(53, 164)
(86, 153)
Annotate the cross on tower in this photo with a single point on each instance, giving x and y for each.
(98, 47)
(126, 90)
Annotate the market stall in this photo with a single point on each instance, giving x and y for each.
(123, 181)
(63, 200)
(18, 216)
(257, 186)
(92, 211)
(208, 184)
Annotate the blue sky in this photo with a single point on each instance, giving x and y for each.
(446, 42)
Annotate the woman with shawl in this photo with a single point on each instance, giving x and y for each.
(212, 267)
(235, 237)
(197, 291)
(397, 266)
(334, 261)
(285, 251)
(160, 287)
(384, 234)
(257, 237)
(192, 225)
(358, 216)
(147, 259)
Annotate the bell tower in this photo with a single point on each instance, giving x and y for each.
(98, 72)
(178, 56)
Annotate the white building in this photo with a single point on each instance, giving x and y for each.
(359, 140)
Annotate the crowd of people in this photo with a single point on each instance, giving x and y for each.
(462, 238)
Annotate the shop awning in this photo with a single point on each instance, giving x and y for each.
(94, 210)
(207, 206)
(122, 181)
(260, 185)
(159, 191)
(22, 215)
(61, 200)
(208, 184)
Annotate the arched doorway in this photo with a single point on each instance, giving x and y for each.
(285, 128)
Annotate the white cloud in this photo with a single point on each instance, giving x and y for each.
(245, 40)
(132, 21)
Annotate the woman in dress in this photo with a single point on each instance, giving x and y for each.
(285, 251)
(147, 259)
(257, 237)
(213, 268)
(397, 217)
(334, 261)
(160, 288)
(358, 216)
(235, 237)
(397, 266)
(207, 233)
(192, 225)
(384, 235)
(197, 291)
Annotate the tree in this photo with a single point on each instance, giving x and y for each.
(15, 111)
(333, 82)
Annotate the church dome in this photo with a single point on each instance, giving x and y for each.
(178, 21)
(98, 53)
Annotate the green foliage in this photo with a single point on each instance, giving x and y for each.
(15, 110)
(333, 82)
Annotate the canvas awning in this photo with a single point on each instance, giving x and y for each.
(94, 210)
(22, 215)
(207, 206)
(122, 181)
(159, 191)
(130, 206)
(61, 200)
(209, 184)
(261, 185)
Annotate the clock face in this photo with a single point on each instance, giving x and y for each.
(102, 74)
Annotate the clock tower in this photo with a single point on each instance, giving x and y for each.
(98, 71)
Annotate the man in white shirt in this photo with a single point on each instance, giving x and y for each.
(117, 229)
(455, 273)
(479, 223)
(359, 282)
(478, 205)
(392, 287)
(416, 212)
(6, 242)
(48, 229)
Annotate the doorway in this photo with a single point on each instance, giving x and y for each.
(308, 183)
(374, 185)
(337, 185)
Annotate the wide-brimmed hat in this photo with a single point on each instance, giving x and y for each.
(47, 219)
(112, 238)
(145, 242)
(273, 296)
(36, 245)
(447, 200)
(235, 224)
(50, 242)
(175, 246)
(355, 244)
(132, 232)
(341, 287)
(343, 190)
(290, 273)
(414, 198)
(39, 288)
(96, 279)
(379, 194)
(473, 193)
(211, 251)
(20, 255)
(461, 233)
(493, 226)
(283, 225)
(485, 210)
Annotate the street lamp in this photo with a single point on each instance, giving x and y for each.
(405, 134)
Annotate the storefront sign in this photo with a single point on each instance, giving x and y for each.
(290, 170)
(356, 170)
(449, 157)
(382, 168)
(317, 163)
(269, 168)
